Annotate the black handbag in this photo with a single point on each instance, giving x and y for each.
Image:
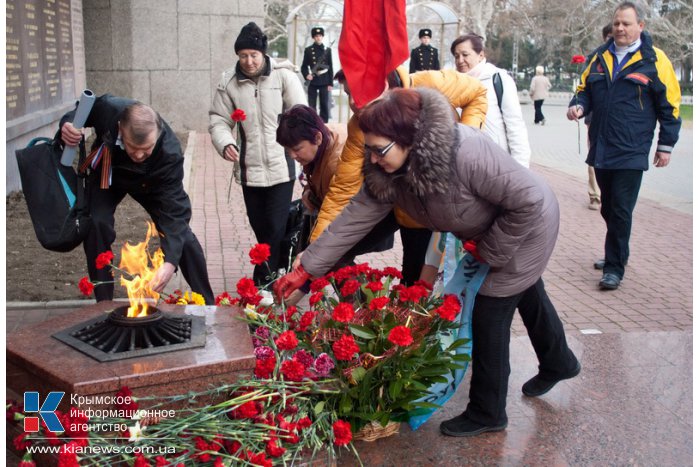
(56, 196)
(293, 241)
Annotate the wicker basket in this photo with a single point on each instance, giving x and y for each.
(374, 430)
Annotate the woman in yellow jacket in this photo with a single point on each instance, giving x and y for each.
(465, 94)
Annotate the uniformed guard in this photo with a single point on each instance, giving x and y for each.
(317, 69)
(425, 56)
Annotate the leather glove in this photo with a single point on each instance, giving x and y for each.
(285, 285)
(470, 246)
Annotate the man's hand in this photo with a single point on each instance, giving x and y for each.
(285, 285)
(662, 159)
(70, 134)
(309, 77)
(162, 277)
(330, 87)
(297, 260)
(230, 153)
(575, 112)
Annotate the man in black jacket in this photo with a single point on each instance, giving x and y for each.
(425, 56)
(136, 153)
(317, 70)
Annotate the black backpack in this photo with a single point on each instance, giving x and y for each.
(56, 196)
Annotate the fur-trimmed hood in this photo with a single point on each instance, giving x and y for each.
(431, 156)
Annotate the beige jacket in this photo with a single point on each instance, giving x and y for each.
(262, 161)
(539, 87)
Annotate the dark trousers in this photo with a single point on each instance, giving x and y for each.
(103, 203)
(324, 94)
(491, 322)
(619, 189)
(268, 210)
(539, 116)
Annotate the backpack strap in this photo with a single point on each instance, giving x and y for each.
(498, 87)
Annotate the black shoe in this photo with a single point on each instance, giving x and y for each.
(537, 385)
(609, 281)
(463, 427)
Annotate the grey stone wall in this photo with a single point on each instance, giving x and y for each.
(167, 53)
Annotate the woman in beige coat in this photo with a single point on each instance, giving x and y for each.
(539, 91)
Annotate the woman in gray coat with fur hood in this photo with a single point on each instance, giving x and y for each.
(453, 178)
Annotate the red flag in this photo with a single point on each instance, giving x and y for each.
(373, 42)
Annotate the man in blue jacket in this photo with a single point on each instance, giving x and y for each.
(628, 85)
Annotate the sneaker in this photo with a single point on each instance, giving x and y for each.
(461, 426)
(609, 281)
(537, 385)
(594, 205)
(599, 265)
(542, 122)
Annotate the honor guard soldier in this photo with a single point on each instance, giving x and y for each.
(317, 69)
(425, 56)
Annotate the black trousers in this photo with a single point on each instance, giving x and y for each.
(539, 116)
(619, 189)
(268, 210)
(103, 203)
(324, 94)
(491, 322)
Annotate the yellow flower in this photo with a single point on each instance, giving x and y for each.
(197, 299)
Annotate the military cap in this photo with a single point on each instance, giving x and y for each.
(316, 31)
(425, 32)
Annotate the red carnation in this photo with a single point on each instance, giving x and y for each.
(349, 288)
(246, 410)
(287, 340)
(315, 298)
(273, 449)
(576, 59)
(389, 271)
(26, 462)
(238, 115)
(413, 294)
(246, 288)
(378, 303)
(345, 348)
(259, 459)
(225, 300)
(375, 286)
(293, 370)
(306, 320)
(126, 401)
(343, 312)
(141, 461)
(265, 367)
(304, 422)
(86, 286)
(342, 433)
(259, 254)
(67, 455)
(400, 335)
(318, 284)
(104, 259)
(20, 443)
(449, 308)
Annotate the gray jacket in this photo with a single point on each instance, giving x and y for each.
(456, 180)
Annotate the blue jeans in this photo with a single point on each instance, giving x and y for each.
(619, 189)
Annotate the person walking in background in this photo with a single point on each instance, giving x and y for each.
(456, 179)
(539, 91)
(317, 70)
(629, 85)
(425, 56)
(263, 89)
(136, 153)
(593, 189)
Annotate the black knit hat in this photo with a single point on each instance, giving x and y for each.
(251, 37)
(317, 30)
(425, 32)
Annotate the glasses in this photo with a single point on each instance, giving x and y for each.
(381, 152)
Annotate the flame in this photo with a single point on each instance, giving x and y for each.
(135, 259)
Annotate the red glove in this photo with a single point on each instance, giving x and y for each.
(470, 246)
(285, 285)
